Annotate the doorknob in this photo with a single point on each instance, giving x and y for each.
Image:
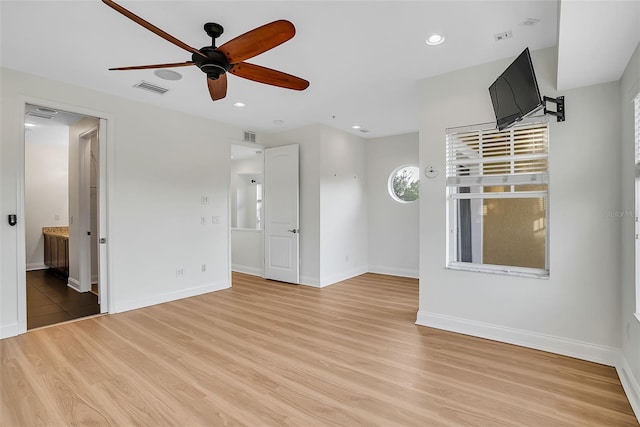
(294, 231)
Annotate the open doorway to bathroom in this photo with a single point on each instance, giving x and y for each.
(61, 195)
(247, 215)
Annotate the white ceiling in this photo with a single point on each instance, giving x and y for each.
(363, 58)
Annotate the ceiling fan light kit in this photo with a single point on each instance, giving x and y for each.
(215, 62)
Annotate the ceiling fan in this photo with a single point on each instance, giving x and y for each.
(216, 61)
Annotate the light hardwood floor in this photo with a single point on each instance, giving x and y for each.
(271, 354)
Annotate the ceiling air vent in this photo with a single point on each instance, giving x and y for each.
(249, 136)
(151, 87)
(42, 113)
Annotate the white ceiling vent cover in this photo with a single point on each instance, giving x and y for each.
(151, 87)
(47, 116)
(249, 136)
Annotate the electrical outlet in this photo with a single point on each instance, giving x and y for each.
(204, 268)
(204, 200)
(179, 272)
(56, 217)
(203, 220)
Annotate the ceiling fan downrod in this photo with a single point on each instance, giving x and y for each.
(214, 31)
(213, 63)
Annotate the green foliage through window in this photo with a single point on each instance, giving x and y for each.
(405, 184)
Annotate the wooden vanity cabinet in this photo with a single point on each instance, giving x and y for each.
(56, 253)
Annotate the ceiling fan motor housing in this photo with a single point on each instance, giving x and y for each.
(214, 65)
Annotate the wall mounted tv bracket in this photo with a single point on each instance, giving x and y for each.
(559, 113)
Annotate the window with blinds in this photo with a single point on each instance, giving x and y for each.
(497, 186)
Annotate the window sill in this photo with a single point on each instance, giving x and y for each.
(532, 273)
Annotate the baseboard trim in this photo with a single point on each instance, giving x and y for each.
(36, 266)
(73, 284)
(573, 348)
(314, 282)
(339, 277)
(392, 271)
(8, 330)
(246, 269)
(629, 384)
(150, 300)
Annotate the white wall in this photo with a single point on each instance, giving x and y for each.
(393, 228)
(576, 311)
(629, 327)
(343, 206)
(46, 186)
(247, 251)
(243, 215)
(160, 163)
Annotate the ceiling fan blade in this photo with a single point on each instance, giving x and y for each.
(149, 26)
(268, 76)
(218, 87)
(145, 67)
(257, 41)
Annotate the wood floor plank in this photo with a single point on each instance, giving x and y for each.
(265, 353)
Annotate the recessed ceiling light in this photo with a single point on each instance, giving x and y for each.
(29, 125)
(240, 105)
(435, 39)
(167, 74)
(355, 127)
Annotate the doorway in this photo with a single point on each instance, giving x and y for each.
(246, 211)
(62, 209)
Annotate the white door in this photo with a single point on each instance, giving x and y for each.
(281, 229)
(84, 199)
(102, 216)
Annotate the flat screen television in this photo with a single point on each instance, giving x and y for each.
(515, 93)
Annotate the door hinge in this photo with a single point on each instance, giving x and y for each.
(103, 240)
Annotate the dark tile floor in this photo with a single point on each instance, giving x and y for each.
(50, 300)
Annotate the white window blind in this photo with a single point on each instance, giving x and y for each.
(477, 156)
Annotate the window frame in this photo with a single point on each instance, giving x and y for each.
(390, 189)
(511, 179)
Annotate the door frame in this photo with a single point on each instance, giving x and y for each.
(107, 209)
